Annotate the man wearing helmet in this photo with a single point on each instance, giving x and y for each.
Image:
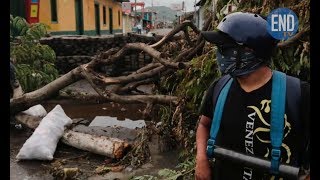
(244, 50)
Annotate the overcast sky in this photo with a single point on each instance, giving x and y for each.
(188, 3)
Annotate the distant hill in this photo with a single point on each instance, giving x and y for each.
(164, 12)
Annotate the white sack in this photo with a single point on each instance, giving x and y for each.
(43, 142)
(37, 110)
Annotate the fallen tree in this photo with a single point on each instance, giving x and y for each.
(166, 63)
(124, 88)
(162, 64)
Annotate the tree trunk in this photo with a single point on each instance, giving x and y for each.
(27, 100)
(110, 147)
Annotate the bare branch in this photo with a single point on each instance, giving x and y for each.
(102, 58)
(131, 46)
(133, 77)
(195, 50)
(186, 35)
(175, 31)
(155, 54)
(132, 86)
(147, 68)
(183, 55)
(293, 39)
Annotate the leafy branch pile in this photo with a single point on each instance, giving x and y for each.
(34, 62)
(191, 84)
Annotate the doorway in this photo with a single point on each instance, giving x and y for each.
(110, 21)
(79, 17)
(97, 18)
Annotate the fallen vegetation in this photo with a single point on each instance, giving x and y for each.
(182, 69)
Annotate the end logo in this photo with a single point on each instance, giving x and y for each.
(282, 23)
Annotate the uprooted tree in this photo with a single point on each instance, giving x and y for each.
(182, 77)
(122, 85)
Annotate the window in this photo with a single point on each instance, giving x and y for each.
(54, 17)
(104, 15)
(119, 17)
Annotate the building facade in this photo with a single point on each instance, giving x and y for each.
(77, 17)
(200, 16)
(128, 22)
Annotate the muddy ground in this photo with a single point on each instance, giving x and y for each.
(69, 157)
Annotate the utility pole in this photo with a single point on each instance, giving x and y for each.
(135, 10)
(185, 9)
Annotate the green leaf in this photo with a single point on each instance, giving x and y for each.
(169, 174)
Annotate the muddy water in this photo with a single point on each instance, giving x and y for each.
(78, 109)
(85, 161)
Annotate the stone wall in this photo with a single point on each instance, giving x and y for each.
(72, 51)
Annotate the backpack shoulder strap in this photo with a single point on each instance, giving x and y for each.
(278, 103)
(294, 97)
(218, 87)
(222, 85)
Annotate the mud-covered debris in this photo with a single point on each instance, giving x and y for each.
(105, 169)
(107, 161)
(117, 168)
(70, 173)
(102, 169)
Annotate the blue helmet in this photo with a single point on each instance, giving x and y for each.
(245, 29)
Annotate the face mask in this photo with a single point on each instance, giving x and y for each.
(228, 63)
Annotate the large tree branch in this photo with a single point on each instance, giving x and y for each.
(182, 56)
(133, 86)
(195, 50)
(102, 58)
(161, 99)
(100, 81)
(32, 98)
(177, 29)
(98, 60)
(147, 68)
(132, 77)
(186, 35)
(293, 39)
(155, 54)
(154, 99)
